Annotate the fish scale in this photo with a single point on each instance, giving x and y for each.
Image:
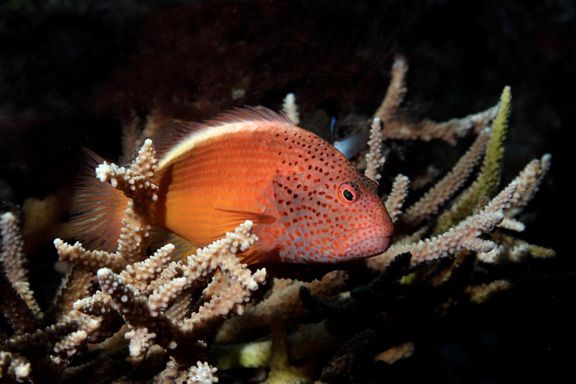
(309, 204)
(215, 176)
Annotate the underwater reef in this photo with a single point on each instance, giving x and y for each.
(131, 316)
(467, 146)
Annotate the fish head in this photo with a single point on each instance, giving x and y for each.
(366, 228)
(331, 213)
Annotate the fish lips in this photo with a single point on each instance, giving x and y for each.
(367, 246)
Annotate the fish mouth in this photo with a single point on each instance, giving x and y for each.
(372, 240)
(368, 247)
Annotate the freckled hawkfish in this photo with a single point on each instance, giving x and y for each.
(308, 203)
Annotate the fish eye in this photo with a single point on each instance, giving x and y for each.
(348, 192)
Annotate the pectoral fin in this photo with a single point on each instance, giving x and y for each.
(226, 220)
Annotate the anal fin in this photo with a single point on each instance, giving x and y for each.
(255, 255)
(182, 247)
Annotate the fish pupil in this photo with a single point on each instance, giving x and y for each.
(348, 195)
(348, 192)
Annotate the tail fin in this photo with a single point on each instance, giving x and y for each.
(97, 208)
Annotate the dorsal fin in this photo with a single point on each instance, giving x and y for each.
(172, 133)
(257, 113)
(175, 131)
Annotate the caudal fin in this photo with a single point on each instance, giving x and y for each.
(97, 208)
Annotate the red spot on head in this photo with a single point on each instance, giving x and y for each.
(338, 211)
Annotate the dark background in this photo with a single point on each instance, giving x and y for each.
(70, 74)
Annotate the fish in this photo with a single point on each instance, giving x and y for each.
(307, 201)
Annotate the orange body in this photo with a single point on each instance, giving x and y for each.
(307, 201)
(208, 191)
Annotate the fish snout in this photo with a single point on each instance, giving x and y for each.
(367, 242)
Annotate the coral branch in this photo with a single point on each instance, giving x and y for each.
(290, 108)
(431, 202)
(449, 131)
(395, 93)
(128, 316)
(12, 255)
(142, 290)
(18, 314)
(18, 303)
(395, 201)
(135, 181)
(201, 373)
(88, 260)
(488, 180)
(284, 299)
(528, 182)
(464, 235)
(375, 157)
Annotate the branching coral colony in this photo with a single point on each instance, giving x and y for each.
(164, 308)
(130, 317)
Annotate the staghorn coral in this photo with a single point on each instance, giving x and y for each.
(146, 318)
(440, 239)
(290, 108)
(375, 157)
(37, 348)
(146, 300)
(398, 127)
(470, 214)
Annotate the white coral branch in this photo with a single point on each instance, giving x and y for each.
(397, 196)
(140, 340)
(375, 157)
(529, 180)
(290, 108)
(136, 180)
(12, 254)
(464, 235)
(396, 91)
(431, 202)
(12, 257)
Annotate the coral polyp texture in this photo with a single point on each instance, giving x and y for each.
(163, 309)
(139, 315)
